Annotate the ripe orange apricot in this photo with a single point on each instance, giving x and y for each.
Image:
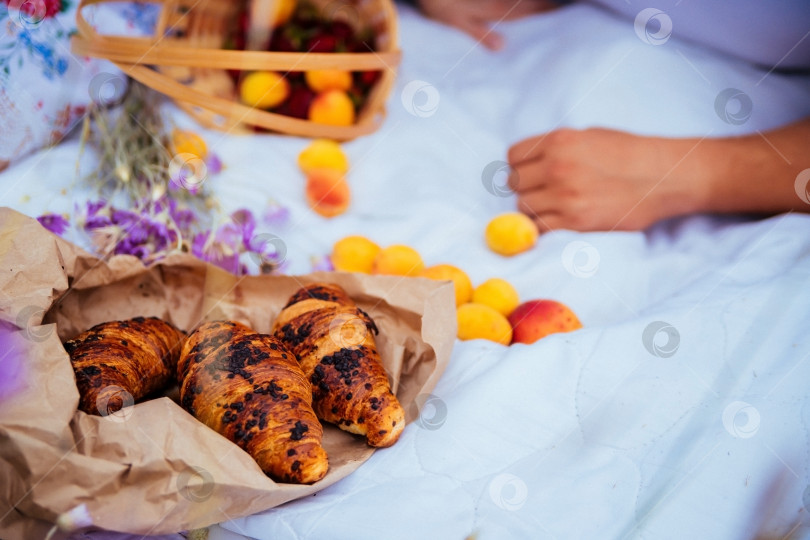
(333, 107)
(264, 89)
(398, 260)
(327, 192)
(447, 272)
(511, 233)
(354, 254)
(536, 319)
(321, 80)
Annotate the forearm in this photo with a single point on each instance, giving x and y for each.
(757, 173)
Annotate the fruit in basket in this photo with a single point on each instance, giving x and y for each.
(511, 233)
(282, 41)
(477, 321)
(282, 11)
(324, 96)
(327, 192)
(354, 254)
(536, 319)
(322, 42)
(333, 107)
(367, 79)
(264, 89)
(398, 260)
(297, 105)
(497, 293)
(323, 154)
(448, 272)
(321, 80)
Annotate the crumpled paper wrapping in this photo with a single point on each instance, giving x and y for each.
(153, 468)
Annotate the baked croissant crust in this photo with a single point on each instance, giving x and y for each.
(333, 340)
(138, 356)
(249, 388)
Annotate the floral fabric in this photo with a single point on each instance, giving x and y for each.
(44, 87)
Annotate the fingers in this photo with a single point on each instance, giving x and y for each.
(527, 175)
(528, 7)
(548, 212)
(538, 205)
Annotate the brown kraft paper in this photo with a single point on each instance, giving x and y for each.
(152, 468)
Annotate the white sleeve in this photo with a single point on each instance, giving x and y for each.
(774, 34)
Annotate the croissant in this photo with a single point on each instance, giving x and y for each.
(137, 356)
(249, 388)
(334, 343)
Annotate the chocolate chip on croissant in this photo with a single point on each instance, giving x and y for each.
(249, 388)
(333, 340)
(113, 359)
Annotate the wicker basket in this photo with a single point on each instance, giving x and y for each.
(184, 59)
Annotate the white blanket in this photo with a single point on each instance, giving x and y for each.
(680, 410)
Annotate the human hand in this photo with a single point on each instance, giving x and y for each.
(601, 179)
(475, 16)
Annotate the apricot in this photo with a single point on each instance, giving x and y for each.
(511, 233)
(398, 260)
(264, 89)
(327, 192)
(188, 142)
(354, 254)
(321, 80)
(477, 321)
(448, 272)
(323, 154)
(536, 319)
(498, 294)
(333, 107)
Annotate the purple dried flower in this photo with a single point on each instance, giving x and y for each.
(135, 234)
(245, 222)
(183, 217)
(198, 244)
(124, 218)
(322, 264)
(54, 222)
(97, 222)
(276, 215)
(94, 207)
(267, 249)
(93, 219)
(190, 176)
(217, 251)
(213, 163)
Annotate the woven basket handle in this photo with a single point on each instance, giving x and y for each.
(233, 113)
(160, 51)
(135, 56)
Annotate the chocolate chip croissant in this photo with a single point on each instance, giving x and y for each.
(333, 340)
(119, 362)
(249, 388)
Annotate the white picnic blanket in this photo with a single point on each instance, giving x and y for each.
(681, 410)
